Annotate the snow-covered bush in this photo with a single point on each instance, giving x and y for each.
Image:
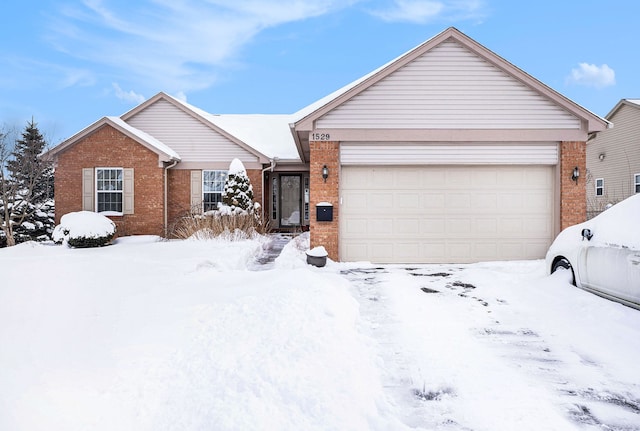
(84, 229)
(238, 192)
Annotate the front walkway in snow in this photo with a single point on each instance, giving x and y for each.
(271, 249)
(499, 346)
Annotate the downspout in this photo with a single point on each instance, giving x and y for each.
(272, 163)
(166, 192)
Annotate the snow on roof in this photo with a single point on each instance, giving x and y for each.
(268, 134)
(145, 137)
(634, 101)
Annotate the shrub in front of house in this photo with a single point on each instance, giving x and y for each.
(238, 217)
(84, 229)
(216, 224)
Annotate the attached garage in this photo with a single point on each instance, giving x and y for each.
(426, 214)
(452, 207)
(447, 154)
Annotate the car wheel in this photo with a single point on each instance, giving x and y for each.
(564, 264)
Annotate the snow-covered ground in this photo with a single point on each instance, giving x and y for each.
(186, 335)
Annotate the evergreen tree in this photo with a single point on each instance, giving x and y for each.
(26, 189)
(31, 174)
(238, 192)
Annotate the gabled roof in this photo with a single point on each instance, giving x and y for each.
(164, 153)
(628, 102)
(261, 135)
(306, 116)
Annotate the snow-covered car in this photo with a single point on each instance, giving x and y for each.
(603, 253)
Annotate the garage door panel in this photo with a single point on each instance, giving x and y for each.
(433, 201)
(484, 202)
(432, 227)
(457, 201)
(445, 213)
(432, 178)
(410, 201)
(406, 226)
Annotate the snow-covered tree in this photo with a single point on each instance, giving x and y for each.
(238, 192)
(30, 172)
(26, 188)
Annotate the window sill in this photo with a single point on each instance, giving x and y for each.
(111, 213)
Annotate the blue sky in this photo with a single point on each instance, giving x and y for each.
(69, 63)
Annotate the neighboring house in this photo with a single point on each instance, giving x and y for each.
(613, 158)
(449, 153)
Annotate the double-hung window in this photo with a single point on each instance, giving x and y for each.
(109, 189)
(636, 181)
(599, 186)
(212, 188)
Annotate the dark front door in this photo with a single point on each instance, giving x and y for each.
(290, 201)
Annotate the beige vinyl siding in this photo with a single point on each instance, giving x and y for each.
(621, 148)
(449, 87)
(189, 137)
(446, 153)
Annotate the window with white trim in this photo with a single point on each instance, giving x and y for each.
(636, 182)
(109, 189)
(212, 188)
(599, 186)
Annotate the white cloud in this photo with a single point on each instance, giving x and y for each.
(424, 11)
(181, 96)
(591, 75)
(128, 96)
(168, 44)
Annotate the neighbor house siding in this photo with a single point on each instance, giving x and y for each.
(449, 87)
(108, 147)
(189, 137)
(620, 147)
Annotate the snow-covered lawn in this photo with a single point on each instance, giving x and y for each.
(186, 335)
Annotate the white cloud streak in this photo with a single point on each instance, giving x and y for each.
(127, 96)
(172, 45)
(591, 75)
(425, 11)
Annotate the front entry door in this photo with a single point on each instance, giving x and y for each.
(290, 214)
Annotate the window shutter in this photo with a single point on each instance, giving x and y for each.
(196, 191)
(127, 204)
(88, 190)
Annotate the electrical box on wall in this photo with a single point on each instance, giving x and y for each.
(324, 211)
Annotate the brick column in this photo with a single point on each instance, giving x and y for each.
(324, 233)
(573, 197)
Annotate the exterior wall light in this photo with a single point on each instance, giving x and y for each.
(601, 156)
(575, 174)
(325, 173)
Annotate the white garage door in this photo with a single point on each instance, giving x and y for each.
(445, 214)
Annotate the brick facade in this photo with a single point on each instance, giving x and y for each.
(178, 196)
(107, 147)
(325, 233)
(573, 196)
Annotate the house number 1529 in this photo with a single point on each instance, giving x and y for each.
(320, 137)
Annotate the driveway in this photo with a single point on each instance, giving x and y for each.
(487, 345)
